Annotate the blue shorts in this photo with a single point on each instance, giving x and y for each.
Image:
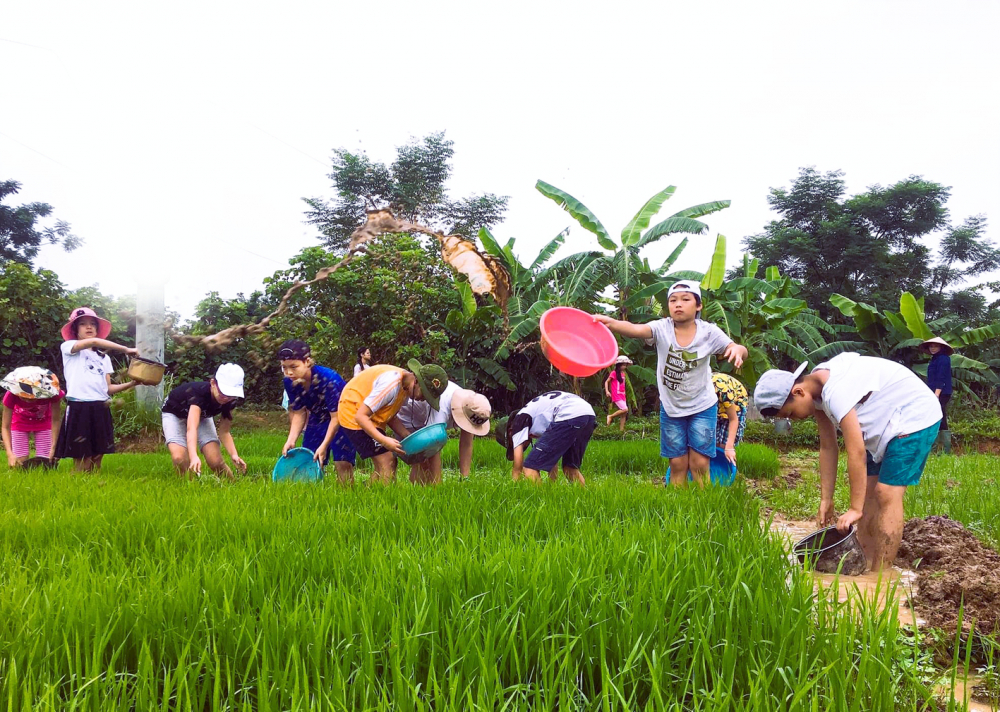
(691, 432)
(905, 458)
(340, 449)
(567, 440)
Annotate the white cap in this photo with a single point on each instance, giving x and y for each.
(229, 378)
(685, 286)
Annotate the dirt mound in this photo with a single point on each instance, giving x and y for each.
(953, 569)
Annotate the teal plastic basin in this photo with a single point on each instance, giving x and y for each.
(425, 442)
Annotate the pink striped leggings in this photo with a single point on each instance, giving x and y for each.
(43, 443)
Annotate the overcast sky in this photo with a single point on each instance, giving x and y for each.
(179, 138)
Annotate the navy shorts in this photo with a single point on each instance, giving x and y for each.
(695, 432)
(340, 450)
(567, 440)
(363, 443)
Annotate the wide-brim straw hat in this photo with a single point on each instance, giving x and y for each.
(69, 331)
(471, 412)
(937, 340)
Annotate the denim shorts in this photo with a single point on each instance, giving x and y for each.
(691, 432)
(905, 458)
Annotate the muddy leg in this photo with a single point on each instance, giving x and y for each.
(888, 531)
(179, 456)
(345, 472)
(385, 468)
(868, 524)
(574, 475)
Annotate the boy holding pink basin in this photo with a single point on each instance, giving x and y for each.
(688, 405)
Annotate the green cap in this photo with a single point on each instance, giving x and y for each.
(500, 435)
(432, 379)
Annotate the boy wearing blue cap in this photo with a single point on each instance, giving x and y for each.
(688, 405)
(889, 420)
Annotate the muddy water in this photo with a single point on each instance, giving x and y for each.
(963, 694)
(869, 586)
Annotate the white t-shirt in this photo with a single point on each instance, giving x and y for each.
(384, 390)
(899, 404)
(684, 373)
(419, 414)
(358, 368)
(86, 373)
(548, 408)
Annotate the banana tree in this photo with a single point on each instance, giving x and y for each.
(474, 325)
(896, 335)
(621, 266)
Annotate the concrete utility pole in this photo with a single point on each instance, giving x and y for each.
(149, 332)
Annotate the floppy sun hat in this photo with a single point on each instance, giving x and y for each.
(32, 383)
(471, 412)
(69, 330)
(624, 359)
(432, 379)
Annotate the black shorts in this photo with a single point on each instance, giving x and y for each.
(567, 440)
(87, 430)
(363, 443)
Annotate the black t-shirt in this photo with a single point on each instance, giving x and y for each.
(199, 393)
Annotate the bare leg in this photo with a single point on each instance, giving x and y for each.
(867, 523)
(616, 414)
(554, 473)
(533, 475)
(574, 475)
(679, 471)
(698, 464)
(179, 456)
(622, 420)
(213, 458)
(345, 472)
(888, 528)
(385, 468)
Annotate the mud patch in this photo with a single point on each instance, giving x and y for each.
(954, 569)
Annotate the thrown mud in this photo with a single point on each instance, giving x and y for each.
(953, 569)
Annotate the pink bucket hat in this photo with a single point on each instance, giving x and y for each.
(69, 332)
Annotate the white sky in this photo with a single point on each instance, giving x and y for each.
(180, 137)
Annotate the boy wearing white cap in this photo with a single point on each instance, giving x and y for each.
(188, 424)
(688, 404)
(889, 420)
(459, 408)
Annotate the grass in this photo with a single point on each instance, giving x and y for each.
(134, 589)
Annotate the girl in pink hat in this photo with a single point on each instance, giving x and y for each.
(88, 433)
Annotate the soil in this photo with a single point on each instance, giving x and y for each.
(954, 569)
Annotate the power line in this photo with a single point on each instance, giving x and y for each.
(21, 143)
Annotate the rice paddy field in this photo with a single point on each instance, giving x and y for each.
(133, 589)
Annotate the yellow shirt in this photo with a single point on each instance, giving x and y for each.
(729, 392)
(380, 388)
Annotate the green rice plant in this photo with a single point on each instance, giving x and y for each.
(758, 462)
(135, 589)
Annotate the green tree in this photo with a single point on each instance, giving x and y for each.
(413, 187)
(22, 232)
(863, 247)
(33, 308)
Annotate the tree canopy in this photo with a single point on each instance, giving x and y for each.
(22, 232)
(413, 187)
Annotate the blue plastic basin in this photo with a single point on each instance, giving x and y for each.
(426, 441)
(297, 466)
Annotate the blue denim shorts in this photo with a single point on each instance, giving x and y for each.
(692, 432)
(905, 458)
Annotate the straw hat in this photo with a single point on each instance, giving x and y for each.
(471, 411)
(936, 340)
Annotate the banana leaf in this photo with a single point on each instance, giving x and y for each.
(580, 212)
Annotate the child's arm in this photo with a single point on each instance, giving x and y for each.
(296, 423)
(118, 387)
(331, 431)
(56, 425)
(102, 344)
(607, 387)
(734, 427)
(193, 421)
(857, 469)
(465, 441)
(8, 444)
(735, 354)
(829, 454)
(518, 462)
(226, 437)
(625, 328)
(364, 418)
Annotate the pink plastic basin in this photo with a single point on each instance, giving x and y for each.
(576, 344)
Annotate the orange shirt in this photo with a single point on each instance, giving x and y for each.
(381, 388)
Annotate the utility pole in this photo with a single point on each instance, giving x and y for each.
(149, 332)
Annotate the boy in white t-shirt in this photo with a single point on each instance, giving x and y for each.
(889, 420)
(562, 423)
(688, 405)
